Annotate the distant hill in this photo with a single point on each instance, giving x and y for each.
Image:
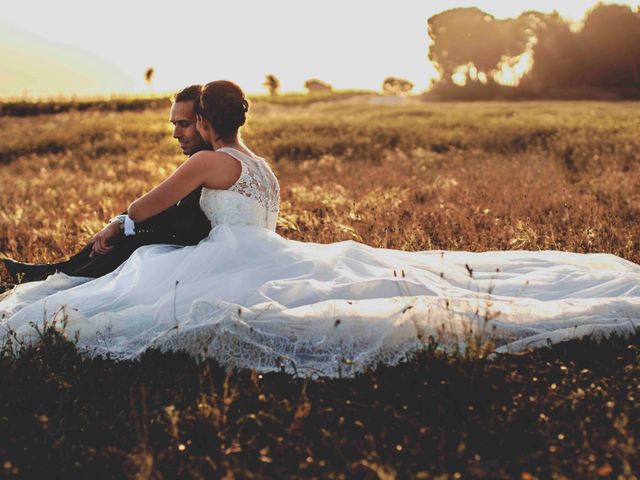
(31, 65)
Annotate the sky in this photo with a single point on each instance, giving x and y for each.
(88, 47)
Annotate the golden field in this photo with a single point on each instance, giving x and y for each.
(390, 172)
(396, 173)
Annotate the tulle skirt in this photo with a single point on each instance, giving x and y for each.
(251, 298)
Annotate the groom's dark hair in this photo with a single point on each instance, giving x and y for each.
(188, 94)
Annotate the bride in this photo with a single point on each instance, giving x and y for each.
(250, 298)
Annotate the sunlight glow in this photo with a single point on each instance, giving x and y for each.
(67, 49)
(511, 70)
(459, 76)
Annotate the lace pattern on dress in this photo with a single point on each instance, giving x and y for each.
(256, 181)
(254, 199)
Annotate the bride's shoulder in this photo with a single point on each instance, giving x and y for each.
(217, 169)
(209, 155)
(208, 158)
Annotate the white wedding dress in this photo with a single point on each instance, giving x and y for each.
(250, 298)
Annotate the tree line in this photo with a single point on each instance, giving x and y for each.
(536, 54)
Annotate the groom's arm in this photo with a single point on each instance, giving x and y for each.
(183, 223)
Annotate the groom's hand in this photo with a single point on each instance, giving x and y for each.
(101, 241)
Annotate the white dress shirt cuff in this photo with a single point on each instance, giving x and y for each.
(129, 226)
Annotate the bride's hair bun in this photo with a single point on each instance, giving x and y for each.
(224, 105)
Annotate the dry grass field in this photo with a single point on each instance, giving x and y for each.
(395, 173)
(413, 176)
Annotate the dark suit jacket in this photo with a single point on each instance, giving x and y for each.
(181, 224)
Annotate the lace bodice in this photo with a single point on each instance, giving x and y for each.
(253, 200)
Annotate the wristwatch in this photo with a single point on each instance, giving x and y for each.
(120, 219)
(126, 224)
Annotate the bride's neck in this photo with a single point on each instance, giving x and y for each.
(236, 142)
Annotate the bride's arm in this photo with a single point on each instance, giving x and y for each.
(211, 169)
(216, 170)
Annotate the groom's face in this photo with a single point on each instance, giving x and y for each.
(183, 118)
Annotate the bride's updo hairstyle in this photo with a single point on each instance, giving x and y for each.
(224, 106)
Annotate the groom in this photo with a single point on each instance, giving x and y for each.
(181, 224)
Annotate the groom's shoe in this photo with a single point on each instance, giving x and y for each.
(28, 272)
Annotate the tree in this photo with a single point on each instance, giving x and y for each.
(556, 52)
(315, 85)
(272, 83)
(470, 42)
(396, 86)
(610, 39)
(148, 76)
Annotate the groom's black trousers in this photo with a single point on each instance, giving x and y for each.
(182, 224)
(82, 264)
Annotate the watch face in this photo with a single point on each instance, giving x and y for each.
(120, 219)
